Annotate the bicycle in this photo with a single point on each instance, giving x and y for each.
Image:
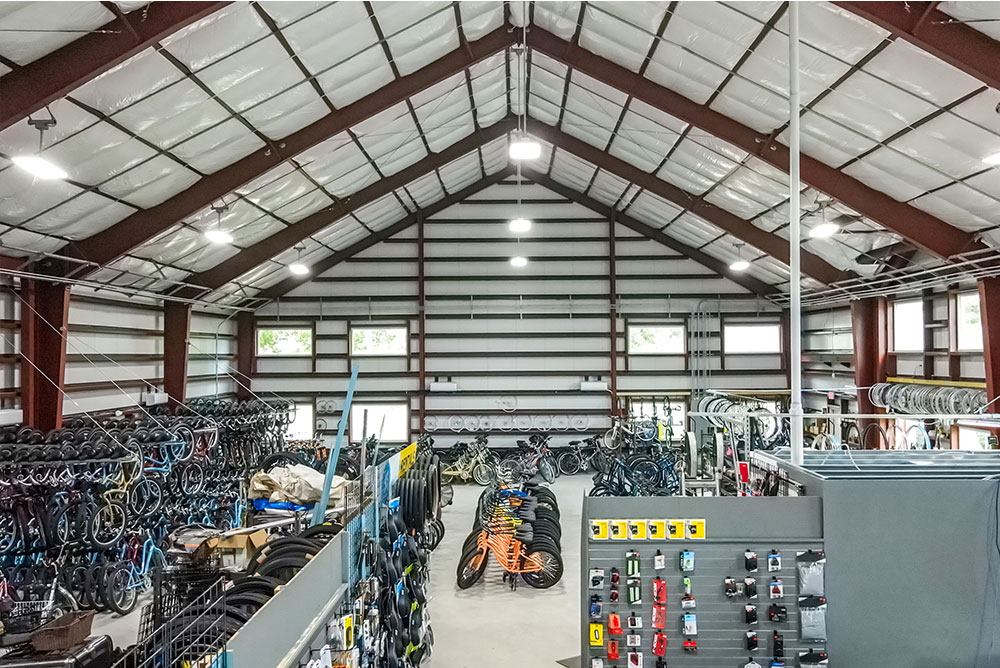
(125, 581)
(582, 457)
(533, 457)
(473, 461)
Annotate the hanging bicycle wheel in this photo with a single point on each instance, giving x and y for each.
(560, 422)
(542, 422)
(486, 423)
(456, 423)
(431, 423)
(470, 423)
(522, 422)
(505, 423)
(580, 422)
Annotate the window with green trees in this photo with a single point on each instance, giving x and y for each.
(969, 328)
(285, 342)
(655, 339)
(379, 341)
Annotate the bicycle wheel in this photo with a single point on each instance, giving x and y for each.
(192, 478)
(471, 566)
(547, 469)
(610, 441)
(10, 532)
(551, 567)
(510, 468)
(447, 494)
(483, 474)
(120, 592)
(107, 525)
(569, 463)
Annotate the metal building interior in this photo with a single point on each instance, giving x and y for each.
(345, 279)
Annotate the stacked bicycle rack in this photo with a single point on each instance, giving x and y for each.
(85, 510)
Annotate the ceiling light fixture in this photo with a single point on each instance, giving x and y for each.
(824, 230)
(520, 225)
(992, 159)
(297, 267)
(524, 148)
(35, 164)
(519, 261)
(217, 235)
(740, 264)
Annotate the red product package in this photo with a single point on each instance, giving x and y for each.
(659, 616)
(613, 650)
(659, 591)
(660, 644)
(614, 624)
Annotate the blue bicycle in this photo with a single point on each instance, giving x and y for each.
(125, 581)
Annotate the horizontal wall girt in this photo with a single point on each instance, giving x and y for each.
(919, 227)
(744, 230)
(29, 88)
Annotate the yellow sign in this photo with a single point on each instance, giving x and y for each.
(657, 529)
(696, 529)
(597, 635)
(598, 529)
(407, 458)
(675, 529)
(619, 529)
(637, 529)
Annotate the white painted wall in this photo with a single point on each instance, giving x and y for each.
(494, 330)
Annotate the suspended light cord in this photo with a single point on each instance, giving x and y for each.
(217, 360)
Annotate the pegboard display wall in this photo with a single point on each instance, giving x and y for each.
(732, 526)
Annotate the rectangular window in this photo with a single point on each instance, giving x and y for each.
(303, 426)
(390, 422)
(908, 326)
(969, 327)
(656, 340)
(380, 341)
(744, 339)
(285, 342)
(973, 439)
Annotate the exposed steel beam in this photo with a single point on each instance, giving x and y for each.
(142, 226)
(937, 33)
(44, 327)
(921, 228)
(246, 351)
(286, 238)
(29, 88)
(989, 310)
(869, 327)
(331, 261)
(773, 245)
(176, 333)
(718, 266)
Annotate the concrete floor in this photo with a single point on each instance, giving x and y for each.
(490, 626)
(123, 630)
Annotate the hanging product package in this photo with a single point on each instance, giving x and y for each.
(813, 658)
(811, 566)
(812, 618)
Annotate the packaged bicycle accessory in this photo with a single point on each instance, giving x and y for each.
(776, 588)
(777, 645)
(691, 646)
(659, 616)
(613, 595)
(777, 663)
(687, 562)
(632, 564)
(635, 660)
(633, 640)
(810, 566)
(659, 561)
(690, 625)
(751, 640)
(729, 586)
(659, 644)
(750, 587)
(812, 618)
(615, 576)
(750, 561)
(687, 602)
(638, 529)
(751, 664)
(813, 658)
(633, 591)
(750, 614)
(614, 624)
(773, 561)
(619, 529)
(596, 607)
(659, 591)
(613, 650)
(597, 662)
(660, 662)
(634, 622)
(687, 585)
(596, 635)
(596, 578)
(777, 613)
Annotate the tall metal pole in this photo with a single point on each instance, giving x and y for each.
(794, 234)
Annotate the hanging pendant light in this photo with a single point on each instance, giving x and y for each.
(217, 235)
(35, 164)
(740, 264)
(297, 267)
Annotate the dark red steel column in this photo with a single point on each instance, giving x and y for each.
(869, 326)
(176, 331)
(45, 347)
(421, 324)
(989, 311)
(245, 353)
(613, 315)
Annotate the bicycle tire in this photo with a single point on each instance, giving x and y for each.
(569, 463)
(118, 595)
(107, 525)
(553, 565)
(276, 567)
(471, 567)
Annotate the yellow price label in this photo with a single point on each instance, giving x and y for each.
(675, 529)
(619, 529)
(657, 529)
(696, 529)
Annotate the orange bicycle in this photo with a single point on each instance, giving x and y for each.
(521, 529)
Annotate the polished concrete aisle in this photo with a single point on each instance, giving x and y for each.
(490, 626)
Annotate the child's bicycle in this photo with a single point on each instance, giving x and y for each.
(125, 581)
